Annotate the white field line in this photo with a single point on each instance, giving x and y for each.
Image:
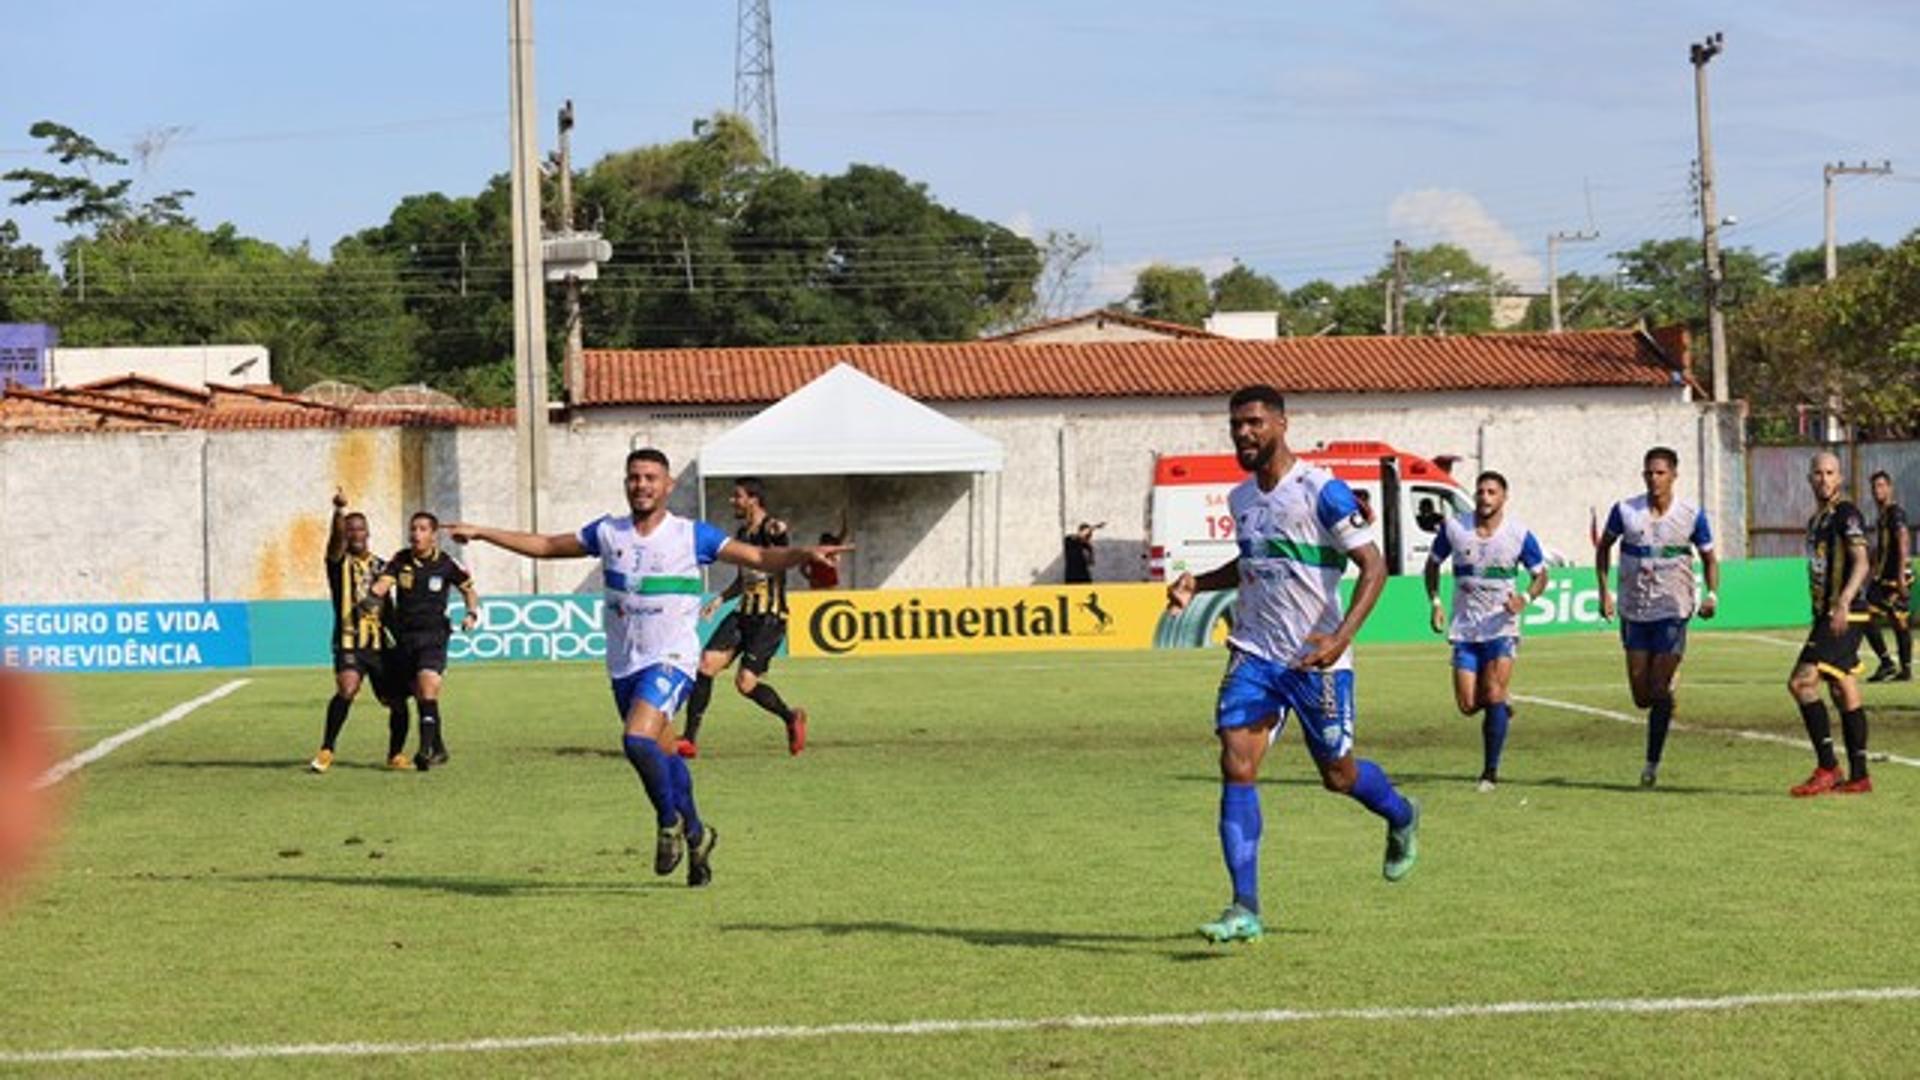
(1764, 639)
(1753, 736)
(108, 745)
(964, 1027)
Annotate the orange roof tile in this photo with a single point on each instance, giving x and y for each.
(136, 384)
(272, 419)
(1000, 370)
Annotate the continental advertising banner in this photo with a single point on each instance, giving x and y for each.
(906, 622)
(125, 637)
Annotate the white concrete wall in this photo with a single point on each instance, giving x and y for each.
(243, 515)
(183, 365)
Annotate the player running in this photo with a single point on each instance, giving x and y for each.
(420, 579)
(1489, 551)
(1837, 570)
(1658, 534)
(1289, 649)
(358, 637)
(752, 631)
(650, 560)
(1891, 587)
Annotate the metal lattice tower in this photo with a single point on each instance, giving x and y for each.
(753, 74)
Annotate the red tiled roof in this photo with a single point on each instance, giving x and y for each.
(1000, 370)
(132, 383)
(1124, 318)
(57, 410)
(270, 419)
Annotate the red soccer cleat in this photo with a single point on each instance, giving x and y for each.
(1821, 782)
(686, 749)
(797, 732)
(1862, 786)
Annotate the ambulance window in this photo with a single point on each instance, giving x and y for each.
(1432, 505)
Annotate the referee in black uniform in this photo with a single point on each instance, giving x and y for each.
(1890, 589)
(419, 579)
(1837, 566)
(752, 631)
(358, 636)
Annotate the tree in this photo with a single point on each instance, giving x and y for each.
(105, 207)
(1242, 289)
(28, 290)
(1172, 294)
(1664, 279)
(1808, 266)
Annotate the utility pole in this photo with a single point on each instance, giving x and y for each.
(1397, 309)
(1827, 173)
(1554, 240)
(1701, 53)
(574, 364)
(529, 288)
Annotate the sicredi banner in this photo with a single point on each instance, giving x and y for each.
(125, 637)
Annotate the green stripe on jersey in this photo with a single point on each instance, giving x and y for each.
(1489, 571)
(1311, 554)
(659, 586)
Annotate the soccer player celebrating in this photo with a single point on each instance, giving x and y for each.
(1890, 588)
(1298, 527)
(420, 578)
(1658, 534)
(650, 560)
(1489, 551)
(357, 636)
(752, 631)
(1837, 568)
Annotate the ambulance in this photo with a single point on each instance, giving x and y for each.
(1189, 529)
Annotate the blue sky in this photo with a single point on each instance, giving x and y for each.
(1299, 138)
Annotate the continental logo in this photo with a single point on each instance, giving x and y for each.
(952, 620)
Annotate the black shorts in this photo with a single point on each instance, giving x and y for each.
(1835, 655)
(1887, 600)
(374, 671)
(409, 656)
(755, 637)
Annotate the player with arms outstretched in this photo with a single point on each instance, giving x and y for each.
(1658, 534)
(1289, 650)
(1489, 552)
(650, 560)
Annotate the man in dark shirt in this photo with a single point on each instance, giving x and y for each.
(419, 579)
(753, 630)
(358, 636)
(1837, 566)
(1890, 588)
(1078, 550)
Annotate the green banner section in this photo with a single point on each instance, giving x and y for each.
(1754, 593)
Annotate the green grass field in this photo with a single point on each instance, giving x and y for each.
(1018, 837)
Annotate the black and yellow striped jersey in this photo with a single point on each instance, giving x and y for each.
(349, 578)
(1887, 530)
(763, 593)
(1834, 535)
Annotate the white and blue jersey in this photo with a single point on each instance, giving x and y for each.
(1295, 541)
(1294, 544)
(652, 609)
(1656, 557)
(1486, 571)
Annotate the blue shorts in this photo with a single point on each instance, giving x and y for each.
(1254, 689)
(1474, 655)
(662, 686)
(1658, 636)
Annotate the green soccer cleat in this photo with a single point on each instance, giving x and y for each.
(1403, 846)
(1234, 924)
(668, 848)
(699, 870)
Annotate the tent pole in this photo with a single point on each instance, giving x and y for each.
(700, 493)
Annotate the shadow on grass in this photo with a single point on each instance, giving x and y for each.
(1557, 782)
(271, 765)
(456, 886)
(1075, 941)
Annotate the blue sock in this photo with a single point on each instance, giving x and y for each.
(651, 764)
(683, 794)
(1374, 791)
(1658, 719)
(1493, 732)
(1240, 841)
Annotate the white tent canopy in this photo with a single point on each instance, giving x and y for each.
(848, 423)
